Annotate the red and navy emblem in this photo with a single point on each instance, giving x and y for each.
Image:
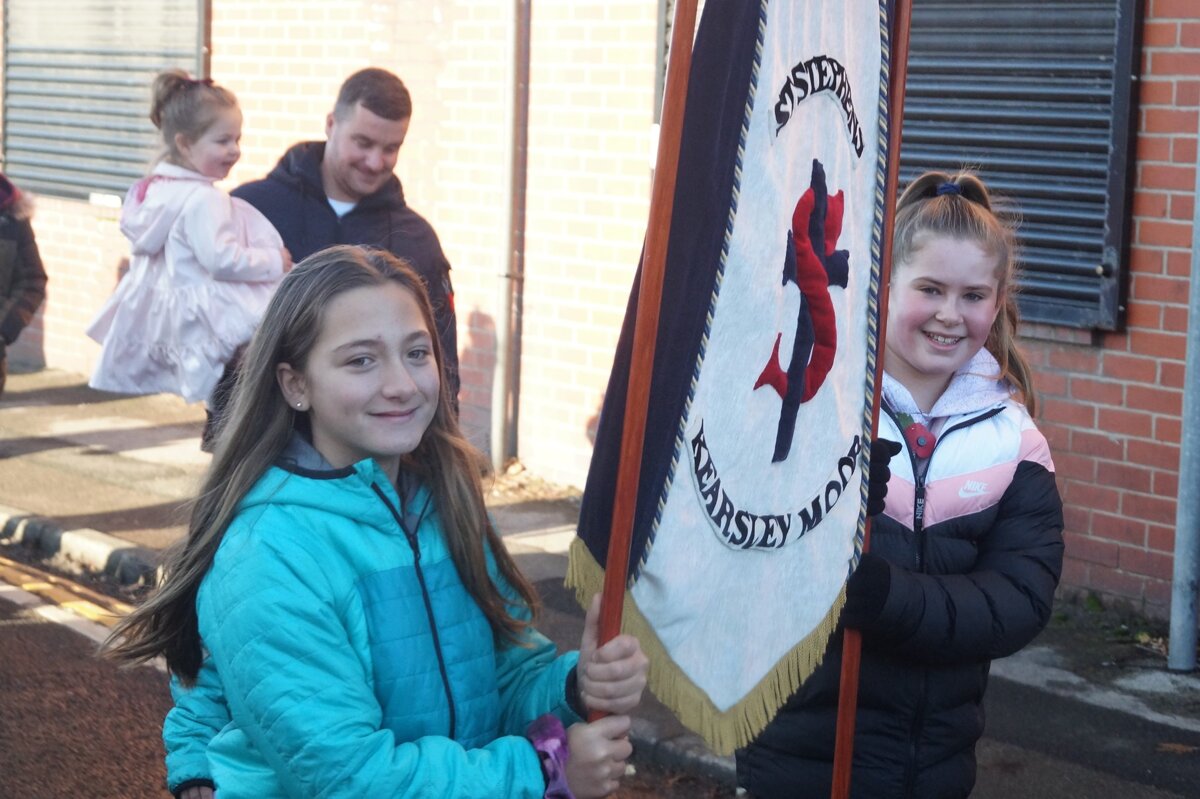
(813, 264)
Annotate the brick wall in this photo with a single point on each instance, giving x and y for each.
(1112, 405)
(591, 111)
(82, 250)
(464, 179)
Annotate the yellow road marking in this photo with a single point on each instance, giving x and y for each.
(64, 593)
(91, 611)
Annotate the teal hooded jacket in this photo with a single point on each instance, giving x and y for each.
(347, 659)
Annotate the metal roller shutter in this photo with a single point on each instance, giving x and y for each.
(1037, 98)
(77, 77)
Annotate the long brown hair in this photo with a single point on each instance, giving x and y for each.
(959, 206)
(259, 425)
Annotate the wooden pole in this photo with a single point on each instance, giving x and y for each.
(843, 752)
(645, 330)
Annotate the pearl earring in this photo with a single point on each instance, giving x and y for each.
(299, 404)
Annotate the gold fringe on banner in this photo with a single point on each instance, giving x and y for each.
(723, 731)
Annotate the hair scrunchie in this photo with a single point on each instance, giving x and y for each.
(948, 187)
(549, 739)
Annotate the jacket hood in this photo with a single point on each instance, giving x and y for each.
(302, 478)
(13, 200)
(300, 168)
(148, 216)
(974, 387)
(8, 193)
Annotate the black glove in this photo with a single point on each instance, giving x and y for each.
(867, 591)
(878, 473)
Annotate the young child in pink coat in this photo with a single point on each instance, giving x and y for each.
(203, 264)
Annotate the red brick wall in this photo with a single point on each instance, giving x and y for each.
(1112, 406)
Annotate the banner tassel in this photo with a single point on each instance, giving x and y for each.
(723, 730)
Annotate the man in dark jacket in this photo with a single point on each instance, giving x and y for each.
(344, 191)
(22, 276)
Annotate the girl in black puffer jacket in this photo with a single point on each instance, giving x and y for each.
(22, 277)
(965, 557)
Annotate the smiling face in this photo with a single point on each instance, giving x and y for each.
(217, 149)
(370, 385)
(361, 149)
(942, 304)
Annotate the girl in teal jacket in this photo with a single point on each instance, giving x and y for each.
(342, 620)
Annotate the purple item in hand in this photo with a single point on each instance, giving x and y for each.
(549, 738)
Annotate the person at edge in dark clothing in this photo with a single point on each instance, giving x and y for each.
(344, 191)
(967, 551)
(22, 276)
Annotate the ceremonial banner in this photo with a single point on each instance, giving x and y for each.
(749, 511)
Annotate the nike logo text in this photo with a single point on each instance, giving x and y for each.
(972, 488)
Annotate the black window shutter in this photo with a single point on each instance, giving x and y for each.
(77, 77)
(1037, 97)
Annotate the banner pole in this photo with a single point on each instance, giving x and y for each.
(843, 751)
(645, 331)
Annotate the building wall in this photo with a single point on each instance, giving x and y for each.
(83, 252)
(1111, 403)
(590, 143)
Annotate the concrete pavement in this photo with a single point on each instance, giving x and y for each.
(95, 483)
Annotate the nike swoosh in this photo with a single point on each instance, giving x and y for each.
(967, 493)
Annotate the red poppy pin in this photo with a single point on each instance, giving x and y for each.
(919, 439)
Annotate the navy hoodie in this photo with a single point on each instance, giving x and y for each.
(293, 199)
